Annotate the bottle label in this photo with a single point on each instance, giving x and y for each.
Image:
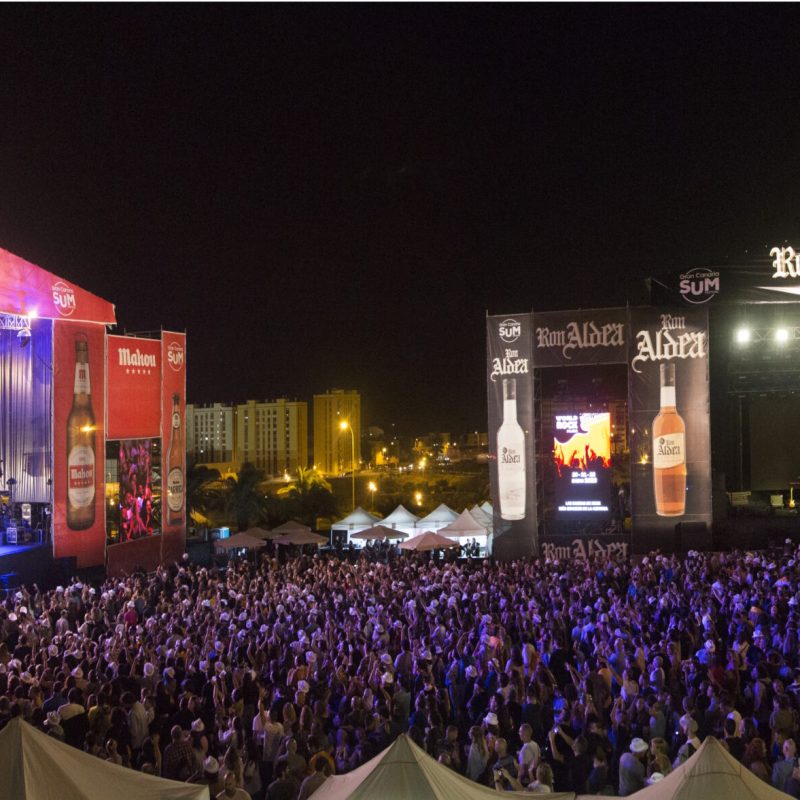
(176, 419)
(80, 476)
(175, 489)
(82, 384)
(669, 450)
(511, 457)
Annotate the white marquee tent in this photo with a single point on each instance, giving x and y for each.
(401, 519)
(359, 520)
(404, 771)
(440, 516)
(467, 527)
(35, 766)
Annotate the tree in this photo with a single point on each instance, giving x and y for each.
(309, 496)
(203, 495)
(245, 500)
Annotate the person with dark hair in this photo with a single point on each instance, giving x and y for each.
(321, 768)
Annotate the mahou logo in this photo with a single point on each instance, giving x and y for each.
(63, 298)
(509, 330)
(175, 356)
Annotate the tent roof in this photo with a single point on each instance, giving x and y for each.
(290, 527)
(481, 516)
(28, 289)
(428, 541)
(712, 773)
(487, 507)
(243, 539)
(441, 513)
(35, 766)
(379, 532)
(357, 517)
(301, 537)
(400, 515)
(404, 770)
(261, 533)
(465, 525)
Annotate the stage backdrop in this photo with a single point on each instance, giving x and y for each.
(512, 466)
(79, 442)
(668, 402)
(173, 444)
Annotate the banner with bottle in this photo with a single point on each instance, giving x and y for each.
(579, 337)
(512, 466)
(134, 388)
(173, 443)
(668, 406)
(79, 387)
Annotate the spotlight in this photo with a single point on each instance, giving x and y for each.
(781, 335)
(24, 337)
(743, 336)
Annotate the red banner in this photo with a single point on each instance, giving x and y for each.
(79, 442)
(134, 387)
(28, 289)
(173, 443)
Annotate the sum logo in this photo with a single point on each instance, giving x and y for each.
(63, 298)
(699, 285)
(510, 330)
(175, 356)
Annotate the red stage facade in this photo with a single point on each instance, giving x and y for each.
(92, 434)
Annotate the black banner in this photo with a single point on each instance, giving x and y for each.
(512, 466)
(668, 405)
(771, 279)
(575, 338)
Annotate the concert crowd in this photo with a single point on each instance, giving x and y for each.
(597, 676)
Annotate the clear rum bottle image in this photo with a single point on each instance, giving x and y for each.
(511, 457)
(669, 451)
(81, 446)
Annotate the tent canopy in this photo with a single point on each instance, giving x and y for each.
(712, 773)
(465, 525)
(440, 516)
(400, 516)
(301, 537)
(35, 766)
(379, 532)
(357, 519)
(481, 516)
(292, 526)
(404, 771)
(261, 533)
(428, 541)
(239, 541)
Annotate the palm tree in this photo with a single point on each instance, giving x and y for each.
(203, 494)
(245, 500)
(309, 496)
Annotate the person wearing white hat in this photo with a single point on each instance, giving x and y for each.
(631, 768)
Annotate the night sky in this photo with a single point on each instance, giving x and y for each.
(335, 195)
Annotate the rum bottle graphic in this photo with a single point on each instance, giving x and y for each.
(511, 457)
(81, 446)
(669, 450)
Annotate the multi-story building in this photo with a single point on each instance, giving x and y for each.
(272, 435)
(209, 433)
(332, 444)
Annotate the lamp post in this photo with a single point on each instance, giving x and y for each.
(373, 487)
(344, 425)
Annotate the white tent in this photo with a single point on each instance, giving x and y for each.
(359, 520)
(467, 527)
(712, 773)
(401, 519)
(488, 508)
(35, 766)
(482, 516)
(404, 771)
(438, 518)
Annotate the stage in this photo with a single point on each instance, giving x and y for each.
(32, 563)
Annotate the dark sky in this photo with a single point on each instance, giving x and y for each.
(335, 195)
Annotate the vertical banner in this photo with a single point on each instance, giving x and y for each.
(79, 387)
(134, 388)
(668, 401)
(173, 444)
(512, 466)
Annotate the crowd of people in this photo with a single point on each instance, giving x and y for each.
(595, 676)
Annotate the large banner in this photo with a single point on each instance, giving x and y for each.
(509, 382)
(134, 388)
(79, 442)
(573, 338)
(669, 421)
(173, 443)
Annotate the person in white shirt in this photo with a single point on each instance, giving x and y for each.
(529, 754)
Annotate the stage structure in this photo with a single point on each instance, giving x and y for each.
(713, 365)
(92, 427)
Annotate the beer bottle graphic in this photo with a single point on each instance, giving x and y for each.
(669, 450)
(81, 446)
(175, 467)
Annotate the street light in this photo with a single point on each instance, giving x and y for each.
(372, 486)
(344, 425)
(418, 498)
